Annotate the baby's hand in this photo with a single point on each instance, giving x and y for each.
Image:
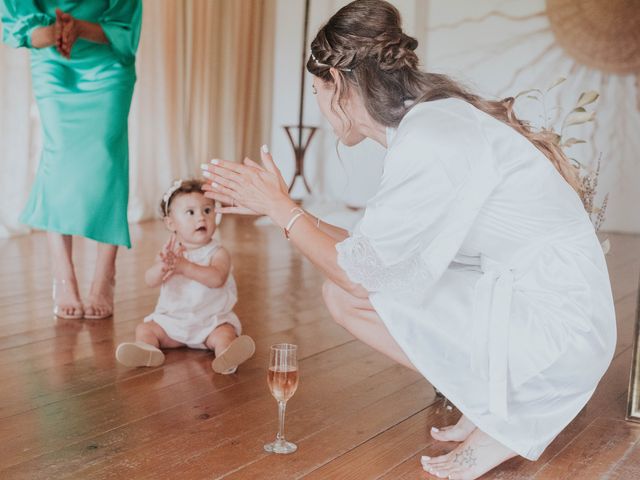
(180, 262)
(167, 263)
(167, 269)
(176, 259)
(172, 258)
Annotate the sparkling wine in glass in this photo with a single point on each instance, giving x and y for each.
(283, 382)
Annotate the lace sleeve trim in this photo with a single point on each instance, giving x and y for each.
(361, 263)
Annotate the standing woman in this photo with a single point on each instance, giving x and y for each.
(83, 71)
(475, 262)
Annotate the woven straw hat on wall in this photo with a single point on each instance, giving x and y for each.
(603, 34)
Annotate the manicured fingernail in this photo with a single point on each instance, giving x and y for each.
(434, 429)
(207, 174)
(215, 185)
(214, 161)
(264, 148)
(204, 166)
(425, 458)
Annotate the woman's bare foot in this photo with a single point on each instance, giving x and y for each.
(454, 433)
(100, 301)
(478, 454)
(100, 304)
(66, 299)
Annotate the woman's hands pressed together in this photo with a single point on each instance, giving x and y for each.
(247, 188)
(67, 31)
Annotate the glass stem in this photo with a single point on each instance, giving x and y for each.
(281, 409)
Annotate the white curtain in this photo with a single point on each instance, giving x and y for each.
(203, 91)
(19, 139)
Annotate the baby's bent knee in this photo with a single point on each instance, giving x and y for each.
(226, 329)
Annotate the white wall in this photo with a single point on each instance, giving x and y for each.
(500, 57)
(494, 55)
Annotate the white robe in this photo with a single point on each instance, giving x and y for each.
(484, 266)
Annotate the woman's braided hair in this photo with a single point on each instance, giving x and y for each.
(365, 44)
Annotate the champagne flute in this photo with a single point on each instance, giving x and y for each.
(283, 382)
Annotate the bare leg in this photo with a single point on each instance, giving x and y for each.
(478, 454)
(358, 316)
(145, 351)
(65, 284)
(100, 302)
(153, 334)
(454, 433)
(220, 339)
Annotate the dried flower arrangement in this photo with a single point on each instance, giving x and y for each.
(588, 176)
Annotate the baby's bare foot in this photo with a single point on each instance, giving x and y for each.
(454, 433)
(478, 454)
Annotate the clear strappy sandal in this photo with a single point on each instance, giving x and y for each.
(60, 287)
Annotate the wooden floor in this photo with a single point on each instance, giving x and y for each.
(67, 410)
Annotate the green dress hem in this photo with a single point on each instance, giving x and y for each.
(70, 231)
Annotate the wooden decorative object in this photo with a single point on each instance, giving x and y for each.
(601, 34)
(299, 149)
(296, 133)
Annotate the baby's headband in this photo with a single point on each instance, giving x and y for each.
(169, 193)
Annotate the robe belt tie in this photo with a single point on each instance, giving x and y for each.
(493, 293)
(492, 307)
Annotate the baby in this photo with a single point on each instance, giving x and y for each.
(198, 290)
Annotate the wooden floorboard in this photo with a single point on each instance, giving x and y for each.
(69, 411)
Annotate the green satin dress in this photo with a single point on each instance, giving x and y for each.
(82, 184)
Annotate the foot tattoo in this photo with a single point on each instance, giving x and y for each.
(466, 458)
(478, 454)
